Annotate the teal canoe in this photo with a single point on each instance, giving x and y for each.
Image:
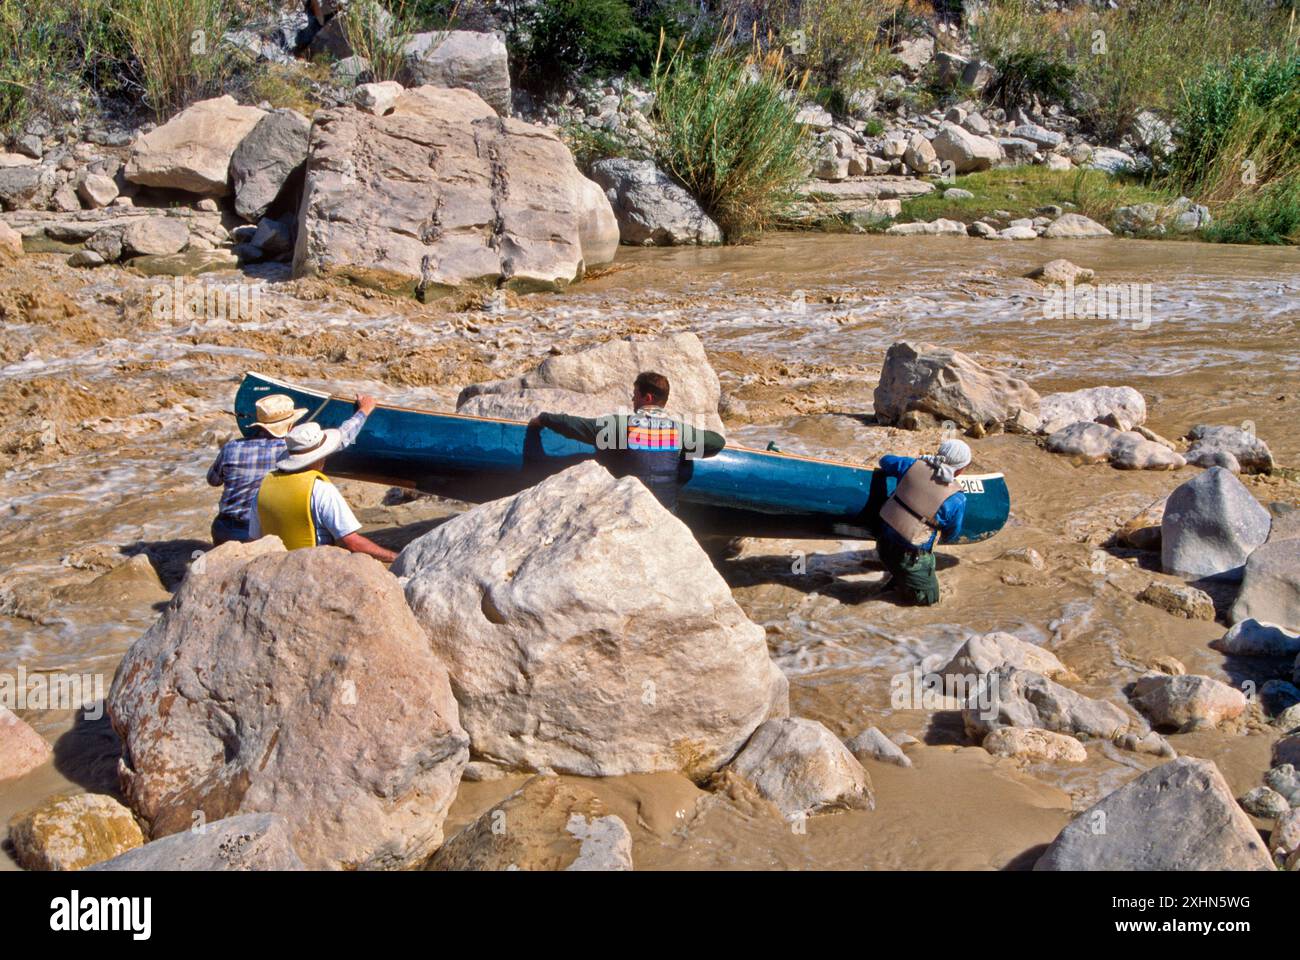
(739, 492)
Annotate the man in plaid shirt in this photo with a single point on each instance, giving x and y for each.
(244, 461)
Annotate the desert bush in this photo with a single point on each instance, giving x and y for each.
(725, 129)
(177, 50)
(379, 31)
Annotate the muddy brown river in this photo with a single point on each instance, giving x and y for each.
(117, 409)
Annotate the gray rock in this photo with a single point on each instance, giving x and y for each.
(1265, 803)
(192, 150)
(1017, 149)
(26, 188)
(1074, 226)
(652, 209)
(873, 744)
(1023, 698)
(965, 150)
(1278, 696)
(274, 237)
(251, 841)
(1096, 442)
(461, 58)
(949, 385)
(1177, 816)
(1039, 136)
(106, 243)
(86, 258)
(149, 236)
(1285, 779)
(1250, 638)
(266, 160)
(802, 768)
(1270, 586)
(535, 601)
(1249, 450)
(1211, 525)
(983, 654)
(1109, 160)
(1059, 410)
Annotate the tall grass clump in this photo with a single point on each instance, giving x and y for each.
(1238, 147)
(34, 51)
(379, 32)
(177, 48)
(725, 129)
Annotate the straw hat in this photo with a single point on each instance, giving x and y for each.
(276, 414)
(305, 444)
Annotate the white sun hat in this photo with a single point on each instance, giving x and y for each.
(276, 414)
(305, 444)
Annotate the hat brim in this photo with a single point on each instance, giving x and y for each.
(281, 427)
(293, 462)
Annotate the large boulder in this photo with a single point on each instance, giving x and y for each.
(442, 192)
(1074, 226)
(71, 832)
(652, 209)
(949, 385)
(460, 58)
(984, 654)
(802, 768)
(1036, 746)
(298, 683)
(1270, 586)
(1250, 638)
(1059, 410)
(586, 632)
(250, 841)
(1186, 703)
(548, 824)
(192, 150)
(1210, 526)
(1180, 815)
(26, 188)
(598, 380)
(22, 749)
(155, 236)
(964, 150)
(272, 155)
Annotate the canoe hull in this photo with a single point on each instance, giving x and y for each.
(739, 492)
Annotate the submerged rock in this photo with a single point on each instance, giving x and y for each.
(22, 749)
(251, 841)
(802, 768)
(442, 192)
(652, 209)
(874, 744)
(1248, 450)
(1024, 698)
(296, 682)
(1126, 450)
(984, 654)
(1177, 816)
(1270, 586)
(1186, 703)
(1059, 271)
(598, 380)
(192, 150)
(949, 385)
(1059, 410)
(1029, 743)
(73, 832)
(1179, 599)
(586, 632)
(547, 824)
(1210, 526)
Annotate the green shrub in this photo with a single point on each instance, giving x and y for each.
(177, 49)
(558, 39)
(1270, 215)
(590, 144)
(379, 32)
(36, 45)
(725, 128)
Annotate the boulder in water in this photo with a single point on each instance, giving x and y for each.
(1059, 410)
(1210, 527)
(192, 150)
(1250, 638)
(1186, 703)
(984, 654)
(1270, 586)
(949, 385)
(1028, 743)
(1126, 450)
(1024, 698)
(874, 744)
(652, 209)
(298, 683)
(586, 632)
(547, 824)
(802, 768)
(1179, 599)
(1210, 443)
(250, 841)
(1180, 815)
(598, 380)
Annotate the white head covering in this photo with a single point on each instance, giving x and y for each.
(305, 444)
(952, 456)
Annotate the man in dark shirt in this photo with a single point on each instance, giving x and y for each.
(647, 444)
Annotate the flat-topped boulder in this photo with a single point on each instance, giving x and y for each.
(586, 632)
(1270, 585)
(460, 58)
(192, 150)
(442, 192)
(866, 188)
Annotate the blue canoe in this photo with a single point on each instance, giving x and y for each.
(738, 492)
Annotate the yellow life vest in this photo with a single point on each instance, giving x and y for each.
(284, 507)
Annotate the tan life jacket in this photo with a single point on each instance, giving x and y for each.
(910, 511)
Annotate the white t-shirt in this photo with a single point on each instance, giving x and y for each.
(330, 513)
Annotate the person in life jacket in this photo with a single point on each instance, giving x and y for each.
(298, 504)
(927, 505)
(647, 444)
